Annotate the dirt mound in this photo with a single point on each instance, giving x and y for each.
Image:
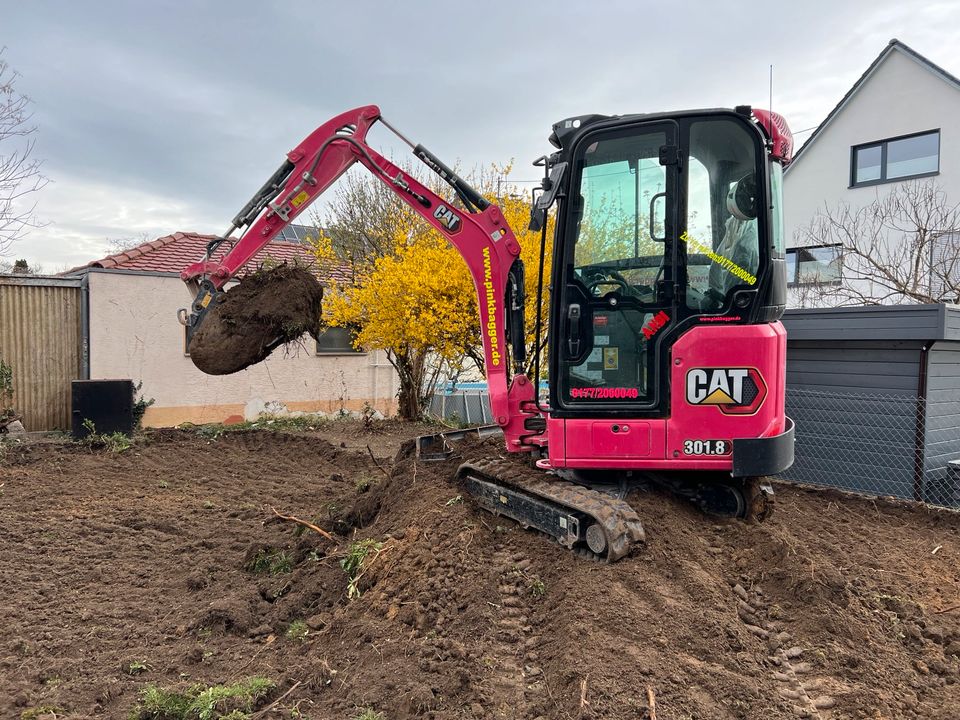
(169, 556)
(265, 310)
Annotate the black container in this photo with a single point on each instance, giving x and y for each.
(108, 404)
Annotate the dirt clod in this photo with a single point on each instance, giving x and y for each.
(266, 309)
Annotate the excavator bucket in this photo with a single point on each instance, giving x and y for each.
(246, 323)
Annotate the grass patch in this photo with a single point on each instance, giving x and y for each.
(359, 556)
(270, 561)
(363, 485)
(39, 711)
(369, 714)
(298, 631)
(217, 702)
(278, 423)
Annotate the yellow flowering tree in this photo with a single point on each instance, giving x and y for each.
(415, 299)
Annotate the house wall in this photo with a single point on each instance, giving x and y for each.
(899, 98)
(134, 333)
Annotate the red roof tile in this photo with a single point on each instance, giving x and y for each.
(173, 253)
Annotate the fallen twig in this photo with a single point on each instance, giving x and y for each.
(584, 703)
(276, 702)
(651, 703)
(946, 610)
(305, 524)
(382, 469)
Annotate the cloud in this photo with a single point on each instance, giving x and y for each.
(168, 115)
(89, 214)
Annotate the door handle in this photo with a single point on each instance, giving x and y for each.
(573, 341)
(653, 230)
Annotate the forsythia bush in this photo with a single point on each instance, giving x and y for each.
(418, 302)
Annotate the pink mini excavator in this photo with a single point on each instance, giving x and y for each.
(665, 352)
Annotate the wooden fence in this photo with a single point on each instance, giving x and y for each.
(41, 339)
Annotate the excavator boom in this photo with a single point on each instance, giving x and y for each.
(480, 233)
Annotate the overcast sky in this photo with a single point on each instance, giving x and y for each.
(161, 116)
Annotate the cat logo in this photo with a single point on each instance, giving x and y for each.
(734, 391)
(448, 218)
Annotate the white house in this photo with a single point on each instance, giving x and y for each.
(898, 124)
(130, 330)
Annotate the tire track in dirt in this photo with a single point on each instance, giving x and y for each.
(808, 693)
(517, 685)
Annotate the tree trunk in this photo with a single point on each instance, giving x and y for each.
(410, 374)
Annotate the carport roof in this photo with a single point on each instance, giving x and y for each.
(877, 322)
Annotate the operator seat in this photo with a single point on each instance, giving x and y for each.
(740, 243)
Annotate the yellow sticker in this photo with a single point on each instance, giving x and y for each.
(611, 358)
(206, 299)
(300, 199)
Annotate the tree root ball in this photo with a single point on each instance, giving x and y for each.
(265, 310)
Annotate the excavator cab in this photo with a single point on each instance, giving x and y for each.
(658, 232)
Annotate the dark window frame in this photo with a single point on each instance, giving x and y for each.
(341, 350)
(882, 144)
(792, 282)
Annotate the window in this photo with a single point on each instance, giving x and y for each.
(818, 265)
(296, 233)
(722, 246)
(895, 159)
(776, 203)
(337, 341)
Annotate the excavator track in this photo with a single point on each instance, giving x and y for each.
(577, 517)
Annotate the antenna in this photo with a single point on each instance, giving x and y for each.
(770, 106)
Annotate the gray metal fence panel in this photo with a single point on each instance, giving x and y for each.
(461, 407)
(872, 444)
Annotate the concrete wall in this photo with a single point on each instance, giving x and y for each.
(134, 334)
(899, 98)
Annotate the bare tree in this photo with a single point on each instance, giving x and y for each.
(20, 267)
(364, 215)
(902, 247)
(19, 171)
(119, 245)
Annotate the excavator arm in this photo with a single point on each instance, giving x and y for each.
(480, 234)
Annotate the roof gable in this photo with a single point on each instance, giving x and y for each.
(172, 253)
(893, 46)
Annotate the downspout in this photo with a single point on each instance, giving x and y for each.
(919, 449)
(85, 326)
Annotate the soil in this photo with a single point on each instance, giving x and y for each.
(125, 570)
(266, 309)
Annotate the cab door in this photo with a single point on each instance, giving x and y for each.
(617, 271)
